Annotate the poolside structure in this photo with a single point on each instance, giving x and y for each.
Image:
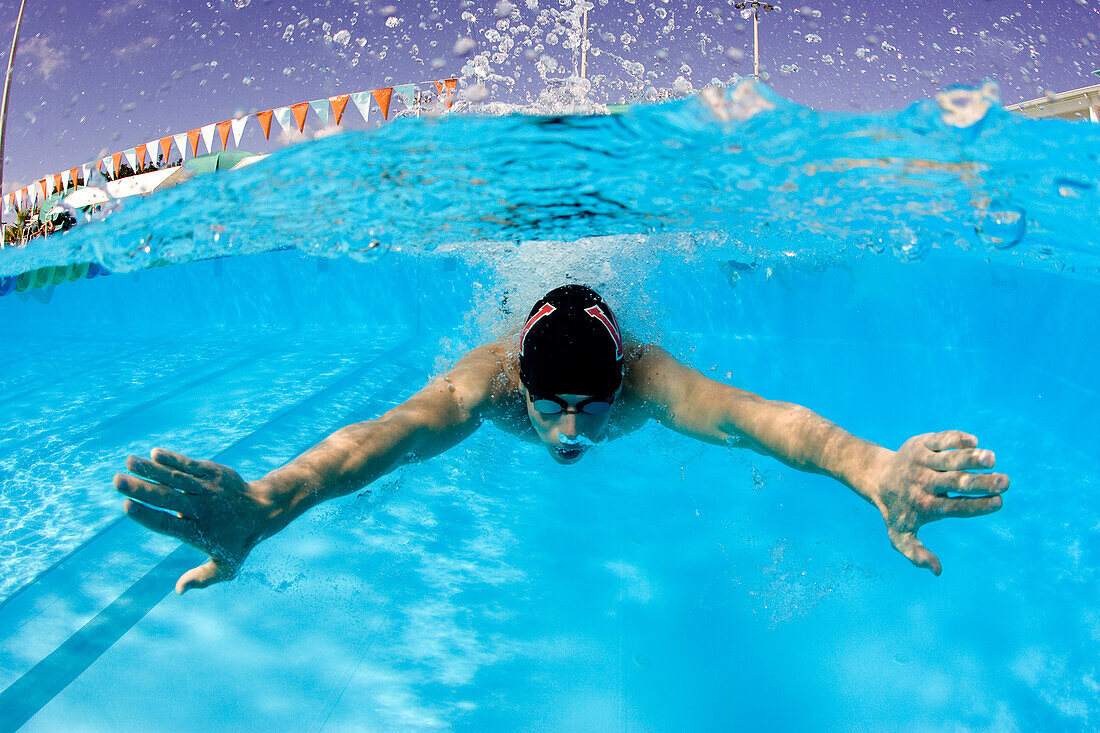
(1078, 104)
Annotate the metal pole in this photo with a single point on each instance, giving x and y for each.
(584, 48)
(756, 39)
(7, 91)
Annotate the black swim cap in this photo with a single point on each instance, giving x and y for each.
(571, 344)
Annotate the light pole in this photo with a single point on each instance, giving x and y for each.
(756, 6)
(584, 48)
(4, 103)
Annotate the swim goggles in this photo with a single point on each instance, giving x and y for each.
(552, 405)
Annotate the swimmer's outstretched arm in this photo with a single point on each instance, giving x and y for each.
(930, 477)
(210, 507)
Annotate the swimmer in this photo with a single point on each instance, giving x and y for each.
(567, 380)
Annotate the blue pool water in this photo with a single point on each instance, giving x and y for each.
(894, 272)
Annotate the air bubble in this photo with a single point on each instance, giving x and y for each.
(1004, 224)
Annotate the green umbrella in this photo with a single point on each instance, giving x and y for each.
(221, 161)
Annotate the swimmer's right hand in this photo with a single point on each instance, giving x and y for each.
(205, 504)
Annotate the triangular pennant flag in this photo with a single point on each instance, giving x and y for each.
(406, 93)
(284, 117)
(42, 184)
(85, 171)
(362, 103)
(140, 150)
(65, 180)
(320, 106)
(207, 132)
(104, 166)
(452, 87)
(193, 138)
(299, 111)
(265, 123)
(382, 96)
(166, 147)
(223, 132)
(151, 149)
(238, 130)
(57, 182)
(74, 176)
(131, 159)
(116, 161)
(338, 103)
(181, 144)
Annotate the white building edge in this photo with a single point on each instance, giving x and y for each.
(1078, 104)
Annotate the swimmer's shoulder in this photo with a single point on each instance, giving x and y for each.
(488, 375)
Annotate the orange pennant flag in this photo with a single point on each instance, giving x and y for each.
(451, 85)
(338, 104)
(299, 111)
(42, 185)
(193, 138)
(223, 131)
(74, 174)
(140, 150)
(117, 160)
(56, 181)
(265, 123)
(382, 96)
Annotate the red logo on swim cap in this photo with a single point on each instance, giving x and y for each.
(543, 312)
(612, 328)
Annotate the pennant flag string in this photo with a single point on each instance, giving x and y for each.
(330, 108)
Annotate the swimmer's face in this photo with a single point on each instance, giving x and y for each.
(567, 434)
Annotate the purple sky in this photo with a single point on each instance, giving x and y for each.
(95, 77)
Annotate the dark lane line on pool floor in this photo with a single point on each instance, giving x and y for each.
(239, 444)
(28, 694)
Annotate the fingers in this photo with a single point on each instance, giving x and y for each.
(180, 462)
(204, 575)
(970, 484)
(907, 544)
(153, 494)
(963, 507)
(948, 440)
(964, 459)
(160, 474)
(158, 521)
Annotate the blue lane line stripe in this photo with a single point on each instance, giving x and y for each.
(35, 688)
(30, 693)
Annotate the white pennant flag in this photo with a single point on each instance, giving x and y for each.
(65, 178)
(181, 144)
(362, 103)
(19, 199)
(238, 126)
(85, 171)
(322, 108)
(108, 165)
(131, 159)
(207, 133)
(152, 150)
(285, 118)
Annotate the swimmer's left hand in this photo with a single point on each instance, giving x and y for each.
(931, 477)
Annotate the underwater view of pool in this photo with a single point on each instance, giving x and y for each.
(899, 272)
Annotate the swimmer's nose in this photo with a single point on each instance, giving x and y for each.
(567, 428)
